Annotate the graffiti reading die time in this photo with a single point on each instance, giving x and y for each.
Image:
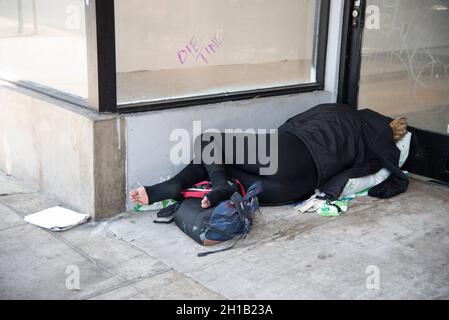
(200, 51)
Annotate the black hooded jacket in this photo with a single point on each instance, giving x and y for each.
(346, 143)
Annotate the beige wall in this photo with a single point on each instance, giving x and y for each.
(74, 155)
(150, 33)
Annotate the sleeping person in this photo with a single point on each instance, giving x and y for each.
(320, 149)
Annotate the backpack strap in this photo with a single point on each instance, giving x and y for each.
(240, 186)
(203, 254)
(241, 207)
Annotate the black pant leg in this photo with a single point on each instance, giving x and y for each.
(171, 189)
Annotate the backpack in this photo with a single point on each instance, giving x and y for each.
(229, 219)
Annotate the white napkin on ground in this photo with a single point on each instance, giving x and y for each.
(57, 218)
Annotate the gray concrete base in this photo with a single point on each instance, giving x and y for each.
(75, 155)
(404, 241)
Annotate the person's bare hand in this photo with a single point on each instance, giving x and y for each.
(205, 203)
(139, 196)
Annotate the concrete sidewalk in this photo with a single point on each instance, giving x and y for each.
(404, 240)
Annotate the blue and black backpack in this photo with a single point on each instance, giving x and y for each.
(230, 219)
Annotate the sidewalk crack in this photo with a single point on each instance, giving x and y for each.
(128, 283)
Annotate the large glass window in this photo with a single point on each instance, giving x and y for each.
(43, 42)
(405, 61)
(171, 49)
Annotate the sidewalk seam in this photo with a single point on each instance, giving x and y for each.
(13, 226)
(84, 254)
(129, 283)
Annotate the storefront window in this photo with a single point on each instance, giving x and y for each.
(405, 56)
(172, 49)
(42, 42)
